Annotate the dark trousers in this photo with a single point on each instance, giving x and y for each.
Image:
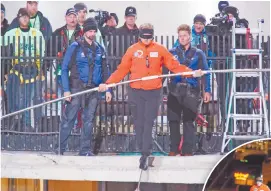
(69, 117)
(175, 110)
(144, 108)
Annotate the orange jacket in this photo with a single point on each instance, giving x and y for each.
(263, 187)
(135, 62)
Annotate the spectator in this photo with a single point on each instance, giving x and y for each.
(123, 38)
(200, 40)
(82, 11)
(129, 31)
(184, 97)
(4, 21)
(78, 55)
(63, 37)
(25, 72)
(145, 59)
(37, 20)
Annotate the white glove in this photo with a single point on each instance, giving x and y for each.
(198, 73)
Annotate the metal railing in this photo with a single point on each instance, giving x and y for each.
(113, 122)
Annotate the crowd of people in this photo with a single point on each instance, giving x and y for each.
(81, 47)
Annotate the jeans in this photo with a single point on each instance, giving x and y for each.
(20, 97)
(69, 117)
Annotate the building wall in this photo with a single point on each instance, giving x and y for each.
(164, 15)
(53, 185)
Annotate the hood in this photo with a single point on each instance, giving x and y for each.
(195, 33)
(5, 22)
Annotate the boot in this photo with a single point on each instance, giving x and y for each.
(144, 160)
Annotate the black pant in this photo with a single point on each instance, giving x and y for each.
(175, 110)
(144, 108)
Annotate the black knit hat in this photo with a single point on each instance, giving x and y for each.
(3, 9)
(115, 17)
(22, 12)
(231, 10)
(80, 6)
(222, 5)
(90, 24)
(200, 18)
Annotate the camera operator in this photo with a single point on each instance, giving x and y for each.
(81, 10)
(110, 26)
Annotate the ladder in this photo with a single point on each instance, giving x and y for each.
(234, 96)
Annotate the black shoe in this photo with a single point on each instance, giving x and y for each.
(56, 151)
(88, 153)
(144, 162)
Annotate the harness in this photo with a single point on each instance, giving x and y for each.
(187, 60)
(91, 62)
(20, 69)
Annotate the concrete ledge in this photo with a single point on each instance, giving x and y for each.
(187, 170)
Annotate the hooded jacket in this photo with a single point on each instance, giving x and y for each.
(4, 27)
(45, 26)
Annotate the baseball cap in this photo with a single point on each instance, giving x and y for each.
(32, 2)
(22, 12)
(71, 11)
(130, 11)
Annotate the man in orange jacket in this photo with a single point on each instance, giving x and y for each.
(143, 59)
(259, 185)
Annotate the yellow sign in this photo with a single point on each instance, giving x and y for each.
(243, 179)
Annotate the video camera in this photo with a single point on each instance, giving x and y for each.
(220, 24)
(101, 16)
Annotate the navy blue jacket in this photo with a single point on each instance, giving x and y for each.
(198, 61)
(45, 26)
(100, 71)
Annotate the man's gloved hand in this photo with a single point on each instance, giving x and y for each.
(198, 73)
(67, 94)
(102, 88)
(207, 97)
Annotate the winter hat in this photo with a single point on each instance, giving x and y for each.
(231, 10)
(115, 17)
(222, 5)
(3, 9)
(80, 6)
(22, 12)
(90, 24)
(200, 18)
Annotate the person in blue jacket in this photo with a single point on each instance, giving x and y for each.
(185, 95)
(84, 59)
